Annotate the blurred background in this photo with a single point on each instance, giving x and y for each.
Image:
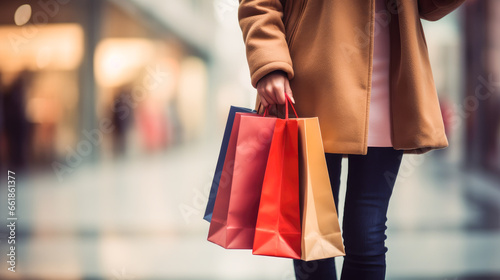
(111, 117)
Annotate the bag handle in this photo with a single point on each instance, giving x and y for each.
(266, 111)
(288, 101)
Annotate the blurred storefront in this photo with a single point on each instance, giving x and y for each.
(87, 79)
(482, 98)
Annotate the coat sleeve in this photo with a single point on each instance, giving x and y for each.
(261, 22)
(436, 9)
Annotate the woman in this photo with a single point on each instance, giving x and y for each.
(362, 68)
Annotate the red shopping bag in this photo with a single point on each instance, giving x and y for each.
(278, 228)
(237, 202)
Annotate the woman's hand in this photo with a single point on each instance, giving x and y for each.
(272, 88)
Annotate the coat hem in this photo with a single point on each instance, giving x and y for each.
(358, 149)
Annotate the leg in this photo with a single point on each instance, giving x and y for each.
(322, 269)
(370, 182)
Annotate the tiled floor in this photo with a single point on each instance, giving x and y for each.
(140, 218)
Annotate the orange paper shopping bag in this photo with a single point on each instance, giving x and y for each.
(321, 236)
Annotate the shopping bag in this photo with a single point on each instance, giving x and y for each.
(278, 229)
(236, 205)
(321, 236)
(220, 162)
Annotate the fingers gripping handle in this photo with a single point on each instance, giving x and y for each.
(288, 101)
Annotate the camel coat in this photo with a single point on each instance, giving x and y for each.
(326, 46)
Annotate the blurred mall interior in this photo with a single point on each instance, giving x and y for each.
(112, 113)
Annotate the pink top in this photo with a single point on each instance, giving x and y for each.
(379, 124)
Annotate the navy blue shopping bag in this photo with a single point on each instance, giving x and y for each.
(220, 162)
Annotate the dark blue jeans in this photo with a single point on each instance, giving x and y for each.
(370, 181)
